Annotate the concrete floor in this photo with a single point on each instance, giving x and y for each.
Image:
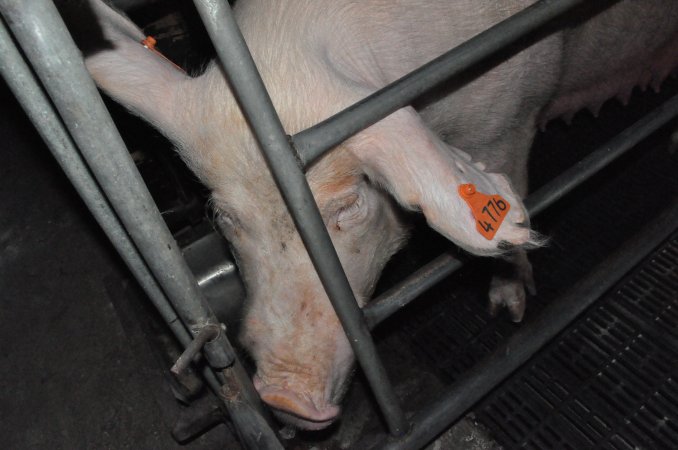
(75, 371)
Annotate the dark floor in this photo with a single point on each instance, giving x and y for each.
(74, 372)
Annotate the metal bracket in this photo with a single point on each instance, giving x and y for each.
(211, 338)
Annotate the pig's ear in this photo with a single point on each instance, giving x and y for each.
(423, 173)
(138, 78)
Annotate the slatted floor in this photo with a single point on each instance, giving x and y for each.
(610, 380)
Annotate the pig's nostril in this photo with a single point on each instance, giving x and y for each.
(288, 402)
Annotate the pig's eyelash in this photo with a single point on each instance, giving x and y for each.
(352, 212)
(226, 221)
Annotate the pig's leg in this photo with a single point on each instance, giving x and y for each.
(512, 276)
(513, 271)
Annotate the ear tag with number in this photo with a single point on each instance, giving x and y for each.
(488, 210)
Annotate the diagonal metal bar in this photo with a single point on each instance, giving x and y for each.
(315, 141)
(517, 350)
(59, 65)
(435, 271)
(37, 106)
(265, 123)
(25, 87)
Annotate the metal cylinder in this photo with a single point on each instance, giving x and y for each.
(258, 108)
(42, 35)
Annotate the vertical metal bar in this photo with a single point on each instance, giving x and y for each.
(257, 107)
(41, 33)
(482, 378)
(315, 141)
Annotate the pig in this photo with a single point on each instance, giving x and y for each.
(317, 57)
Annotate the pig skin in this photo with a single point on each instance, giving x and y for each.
(318, 57)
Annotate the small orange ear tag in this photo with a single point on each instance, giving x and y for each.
(488, 210)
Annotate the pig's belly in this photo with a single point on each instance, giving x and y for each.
(631, 44)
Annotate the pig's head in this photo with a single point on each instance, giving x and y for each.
(302, 355)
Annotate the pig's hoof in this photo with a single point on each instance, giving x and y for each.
(510, 292)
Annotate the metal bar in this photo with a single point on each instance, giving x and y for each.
(35, 103)
(315, 141)
(207, 333)
(52, 53)
(41, 33)
(408, 289)
(483, 377)
(257, 107)
(593, 163)
(37, 106)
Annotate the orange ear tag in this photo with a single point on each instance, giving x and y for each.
(488, 210)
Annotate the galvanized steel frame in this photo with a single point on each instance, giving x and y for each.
(134, 225)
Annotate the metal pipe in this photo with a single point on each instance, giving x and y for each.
(37, 106)
(403, 292)
(593, 163)
(35, 103)
(484, 376)
(315, 141)
(41, 33)
(408, 289)
(208, 333)
(258, 108)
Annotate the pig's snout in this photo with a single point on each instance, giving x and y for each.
(291, 408)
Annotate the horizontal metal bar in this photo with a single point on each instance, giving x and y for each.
(408, 289)
(315, 141)
(42, 36)
(265, 123)
(208, 333)
(486, 375)
(403, 292)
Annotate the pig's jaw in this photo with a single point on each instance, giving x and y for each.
(295, 409)
(306, 394)
(302, 424)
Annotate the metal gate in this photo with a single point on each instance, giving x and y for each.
(115, 194)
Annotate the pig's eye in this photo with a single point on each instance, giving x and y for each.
(353, 212)
(228, 224)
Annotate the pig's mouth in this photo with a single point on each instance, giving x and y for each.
(295, 409)
(303, 423)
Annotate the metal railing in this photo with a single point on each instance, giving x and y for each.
(114, 192)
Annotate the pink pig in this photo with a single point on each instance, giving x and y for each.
(317, 57)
